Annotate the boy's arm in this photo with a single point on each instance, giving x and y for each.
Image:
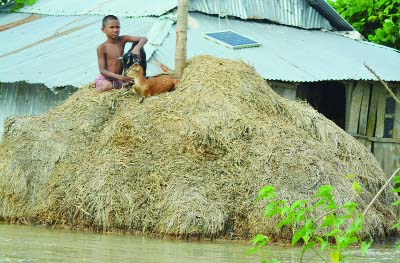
(140, 43)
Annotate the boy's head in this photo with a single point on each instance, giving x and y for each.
(108, 18)
(111, 26)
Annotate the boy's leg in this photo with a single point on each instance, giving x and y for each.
(103, 85)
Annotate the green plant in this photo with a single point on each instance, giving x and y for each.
(334, 231)
(17, 4)
(377, 20)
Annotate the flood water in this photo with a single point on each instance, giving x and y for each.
(40, 244)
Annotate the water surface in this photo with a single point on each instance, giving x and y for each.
(41, 244)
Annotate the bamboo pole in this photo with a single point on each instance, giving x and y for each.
(383, 84)
(380, 191)
(181, 37)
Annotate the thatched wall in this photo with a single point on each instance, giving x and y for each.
(185, 163)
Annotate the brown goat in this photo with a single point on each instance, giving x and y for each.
(153, 85)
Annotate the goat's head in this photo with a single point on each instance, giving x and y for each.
(134, 70)
(129, 59)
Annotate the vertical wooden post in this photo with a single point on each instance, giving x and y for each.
(181, 37)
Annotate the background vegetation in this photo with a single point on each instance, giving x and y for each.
(376, 20)
(17, 4)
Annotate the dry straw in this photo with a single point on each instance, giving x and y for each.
(187, 163)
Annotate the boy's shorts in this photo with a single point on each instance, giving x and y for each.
(116, 84)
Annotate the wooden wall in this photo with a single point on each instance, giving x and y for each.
(373, 118)
(286, 90)
(20, 98)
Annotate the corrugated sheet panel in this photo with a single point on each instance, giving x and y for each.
(58, 51)
(158, 32)
(290, 54)
(288, 12)
(120, 8)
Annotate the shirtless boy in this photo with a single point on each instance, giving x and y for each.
(110, 52)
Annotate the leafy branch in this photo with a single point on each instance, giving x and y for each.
(335, 231)
(377, 20)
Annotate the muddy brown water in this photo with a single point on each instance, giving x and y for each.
(41, 244)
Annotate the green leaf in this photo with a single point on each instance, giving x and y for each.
(396, 179)
(396, 203)
(298, 235)
(267, 192)
(309, 231)
(300, 215)
(365, 246)
(339, 221)
(335, 256)
(284, 222)
(344, 242)
(332, 233)
(260, 240)
(331, 206)
(325, 191)
(271, 209)
(304, 233)
(284, 211)
(356, 226)
(350, 206)
(324, 244)
(298, 204)
(398, 245)
(318, 203)
(328, 220)
(357, 188)
(251, 250)
(351, 176)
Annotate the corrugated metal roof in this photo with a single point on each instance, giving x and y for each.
(120, 8)
(11, 18)
(58, 51)
(287, 12)
(290, 54)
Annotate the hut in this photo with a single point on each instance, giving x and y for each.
(307, 51)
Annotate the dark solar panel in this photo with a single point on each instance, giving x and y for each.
(232, 39)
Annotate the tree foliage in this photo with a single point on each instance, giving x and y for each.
(17, 4)
(377, 20)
